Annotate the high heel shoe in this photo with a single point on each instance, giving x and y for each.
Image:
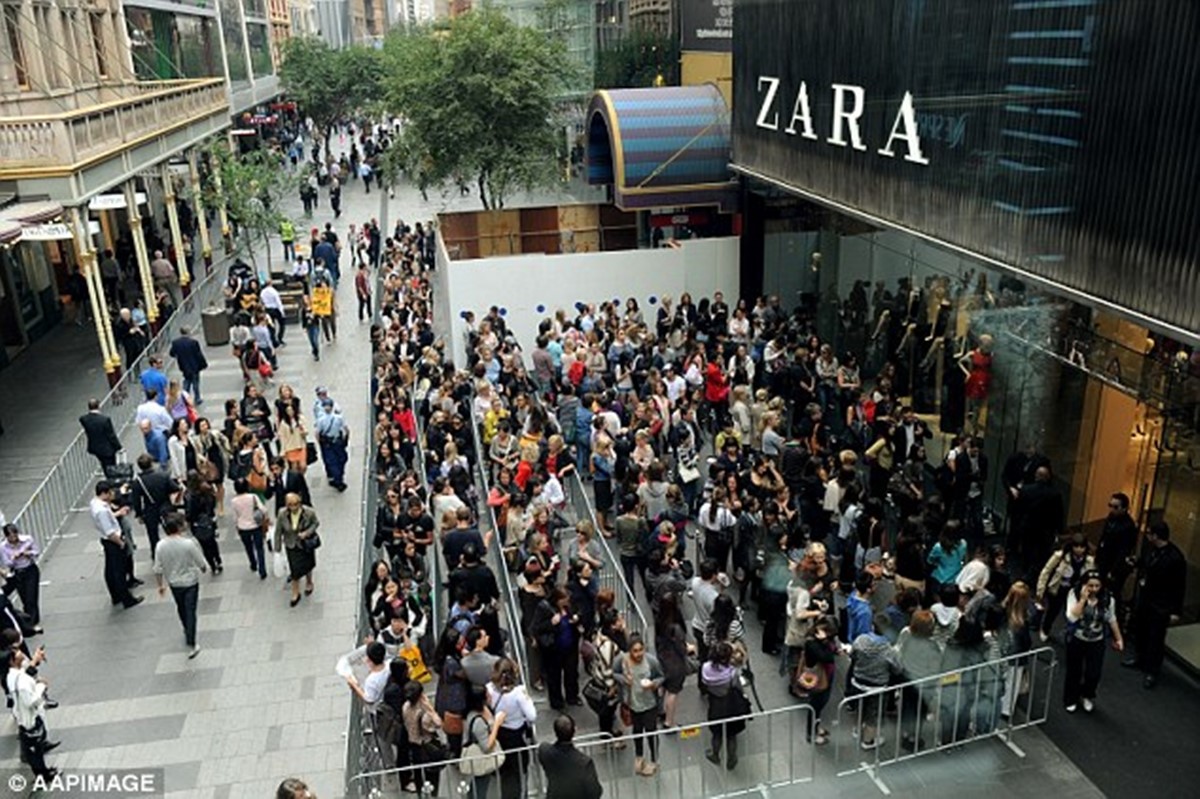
(295, 601)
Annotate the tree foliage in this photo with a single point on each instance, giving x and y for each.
(477, 97)
(252, 186)
(637, 61)
(326, 83)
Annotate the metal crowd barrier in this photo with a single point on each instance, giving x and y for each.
(508, 587)
(771, 751)
(992, 699)
(71, 477)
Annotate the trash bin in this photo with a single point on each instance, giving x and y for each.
(216, 326)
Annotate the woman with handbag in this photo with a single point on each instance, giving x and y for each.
(450, 700)
(601, 691)
(296, 528)
(675, 653)
(482, 754)
(423, 726)
(293, 438)
(722, 682)
(814, 675)
(250, 521)
(200, 509)
(641, 677)
(211, 449)
(255, 415)
(516, 715)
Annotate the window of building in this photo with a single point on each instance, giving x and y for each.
(96, 21)
(13, 31)
(260, 49)
(235, 43)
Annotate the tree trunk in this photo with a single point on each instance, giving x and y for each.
(483, 191)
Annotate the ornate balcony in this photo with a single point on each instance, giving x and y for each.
(60, 151)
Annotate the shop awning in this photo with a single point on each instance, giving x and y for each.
(661, 147)
(32, 213)
(9, 231)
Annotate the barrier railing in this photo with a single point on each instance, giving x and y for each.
(769, 756)
(901, 722)
(612, 576)
(512, 604)
(53, 500)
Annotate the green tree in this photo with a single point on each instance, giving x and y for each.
(252, 187)
(328, 84)
(637, 62)
(478, 100)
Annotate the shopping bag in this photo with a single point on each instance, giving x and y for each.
(416, 664)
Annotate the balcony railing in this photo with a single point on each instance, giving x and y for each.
(72, 137)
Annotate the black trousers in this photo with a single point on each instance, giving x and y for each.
(772, 609)
(1084, 661)
(28, 585)
(186, 600)
(106, 461)
(516, 764)
(153, 525)
(561, 670)
(33, 748)
(1150, 630)
(116, 572)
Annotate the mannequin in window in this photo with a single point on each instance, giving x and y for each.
(976, 366)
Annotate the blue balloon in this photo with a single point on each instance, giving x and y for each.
(541, 309)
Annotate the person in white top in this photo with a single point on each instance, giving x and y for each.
(154, 413)
(718, 522)
(370, 689)
(273, 303)
(29, 705)
(116, 551)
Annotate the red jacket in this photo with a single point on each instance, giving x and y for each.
(716, 386)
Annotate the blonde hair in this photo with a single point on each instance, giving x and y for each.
(529, 452)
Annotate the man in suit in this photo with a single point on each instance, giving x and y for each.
(1039, 510)
(152, 492)
(910, 432)
(289, 480)
(570, 774)
(1162, 584)
(190, 357)
(102, 441)
(970, 476)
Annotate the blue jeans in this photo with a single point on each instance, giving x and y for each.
(191, 384)
(252, 540)
(314, 340)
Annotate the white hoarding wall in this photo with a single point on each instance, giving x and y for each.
(528, 288)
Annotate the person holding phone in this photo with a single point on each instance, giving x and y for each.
(1091, 611)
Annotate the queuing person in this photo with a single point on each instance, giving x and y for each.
(726, 703)
(178, 564)
(511, 703)
(642, 677)
(1061, 574)
(102, 441)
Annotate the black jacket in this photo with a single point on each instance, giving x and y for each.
(570, 774)
(1117, 542)
(102, 439)
(1162, 577)
(187, 353)
(152, 491)
(477, 580)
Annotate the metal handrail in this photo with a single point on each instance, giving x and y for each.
(512, 602)
(780, 772)
(49, 506)
(998, 718)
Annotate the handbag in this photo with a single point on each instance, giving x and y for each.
(809, 680)
(596, 695)
(256, 480)
(626, 715)
(688, 474)
(264, 367)
(417, 670)
(310, 453)
(312, 543)
(476, 762)
(204, 529)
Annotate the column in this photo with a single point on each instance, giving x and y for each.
(182, 267)
(222, 212)
(143, 258)
(201, 216)
(91, 275)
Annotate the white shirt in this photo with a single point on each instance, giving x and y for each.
(518, 708)
(269, 296)
(103, 517)
(552, 493)
(29, 697)
(156, 414)
(676, 386)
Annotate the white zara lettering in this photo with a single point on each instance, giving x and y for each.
(849, 118)
(768, 103)
(802, 114)
(907, 117)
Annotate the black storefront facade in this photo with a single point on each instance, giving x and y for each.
(929, 177)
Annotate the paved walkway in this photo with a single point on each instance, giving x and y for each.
(261, 702)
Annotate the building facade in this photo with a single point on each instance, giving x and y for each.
(1021, 191)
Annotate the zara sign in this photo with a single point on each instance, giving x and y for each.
(845, 128)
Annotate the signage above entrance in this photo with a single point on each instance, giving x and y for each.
(109, 202)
